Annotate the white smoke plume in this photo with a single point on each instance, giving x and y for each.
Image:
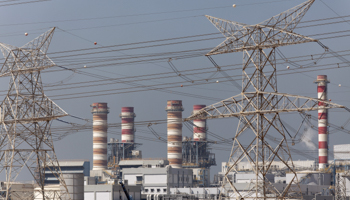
(309, 138)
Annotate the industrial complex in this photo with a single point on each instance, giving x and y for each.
(259, 166)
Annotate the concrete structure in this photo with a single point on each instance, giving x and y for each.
(143, 163)
(18, 191)
(275, 166)
(128, 129)
(68, 167)
(174, 112)
(341, 151)
(156, 179)
(99, 111)
(110, 192)
(52, 192)
(198, 193)
(311, 177)
(75, 186)
(200, 126)
(322, 121)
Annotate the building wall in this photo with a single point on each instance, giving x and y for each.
(110, 192)
(158, 180)
(317, 178)
(341, 151)
(276, 165)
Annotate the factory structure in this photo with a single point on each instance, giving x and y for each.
(185, 173)
(254, 171)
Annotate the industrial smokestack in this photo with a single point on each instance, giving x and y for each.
(199, 130)
(99, 112)
(322, 122)
(128, 130)
(174, 112)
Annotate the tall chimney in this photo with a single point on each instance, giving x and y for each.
(174, 112)
(199, 130)
(99, 112)
(322, 122)
(128, 129)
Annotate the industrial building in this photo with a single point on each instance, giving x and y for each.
(186, 171)
(149, 178)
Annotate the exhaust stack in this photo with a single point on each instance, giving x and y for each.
(99, 112)
(128, 129)
(322, 122)
(174, 115)
(199, 130)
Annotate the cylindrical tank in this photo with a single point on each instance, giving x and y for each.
(75, 186)
(128, 129)
(322, 121)
(174, 117)
(200, 125)
(99, 112)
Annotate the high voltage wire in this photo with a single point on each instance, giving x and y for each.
(4, 3)
(133, 79)
(170, 76)
(146, 86)
(64, 96)
(165, 56)
(130, 15)
(164, 44)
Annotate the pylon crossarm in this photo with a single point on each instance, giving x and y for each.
(274, 32)
(269, 40)
(15, 63)
(274, 103)
(41, 42)
(6, 49)
(47, 110)
(228, 28)
(288, 19)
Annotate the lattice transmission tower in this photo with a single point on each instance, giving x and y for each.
(340, 186)
(259, 105)
(26, 117)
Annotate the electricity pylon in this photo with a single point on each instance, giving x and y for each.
(259, 104)
(26, 117)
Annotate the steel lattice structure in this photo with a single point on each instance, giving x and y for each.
(26, 116)
(259, 104)
(340, 186)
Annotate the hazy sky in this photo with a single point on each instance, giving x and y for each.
(118, 62)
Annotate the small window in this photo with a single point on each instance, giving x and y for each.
(146, 190)
(152, 190)
(158, 190)
(138, 178)
(164, 190)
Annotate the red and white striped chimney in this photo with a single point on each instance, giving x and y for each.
(99, 112)
(322, 122)
(199, 130)
(128, 129)
(174, 112)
